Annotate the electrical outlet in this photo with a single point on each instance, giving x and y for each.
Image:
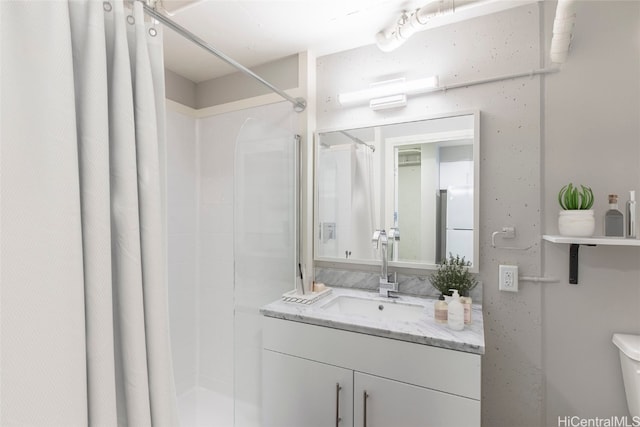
(508, 278)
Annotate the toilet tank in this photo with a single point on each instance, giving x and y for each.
(629, 346)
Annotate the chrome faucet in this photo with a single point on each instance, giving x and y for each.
(388, 281)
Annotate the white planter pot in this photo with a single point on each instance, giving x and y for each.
(577, 223)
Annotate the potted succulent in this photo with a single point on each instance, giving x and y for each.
(576, 219)
(453, 273)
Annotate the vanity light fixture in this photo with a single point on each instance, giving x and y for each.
(390, 93)
(393, 101)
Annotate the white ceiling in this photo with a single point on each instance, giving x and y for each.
(259, 31)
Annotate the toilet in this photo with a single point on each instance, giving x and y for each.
(629, 346)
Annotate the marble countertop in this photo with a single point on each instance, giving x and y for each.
(425, 330)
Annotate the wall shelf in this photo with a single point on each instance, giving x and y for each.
(575, 243)
(598, 240)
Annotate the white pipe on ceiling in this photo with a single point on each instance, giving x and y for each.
(437, 13)
(562, 30)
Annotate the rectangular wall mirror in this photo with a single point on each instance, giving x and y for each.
(417, 179)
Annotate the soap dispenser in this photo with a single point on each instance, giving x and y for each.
(440, 310)
(455, 312)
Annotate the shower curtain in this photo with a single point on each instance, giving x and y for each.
(83, 297)
(346, 200)
(362, 203)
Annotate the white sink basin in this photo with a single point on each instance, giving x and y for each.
(375, 309)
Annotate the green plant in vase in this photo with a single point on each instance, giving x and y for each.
(576, 219)
(574, 198)
(453, 273)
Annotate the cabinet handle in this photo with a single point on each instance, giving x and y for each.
(338, 419)
(365, 396)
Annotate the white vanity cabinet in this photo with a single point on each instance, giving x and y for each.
(406, 384)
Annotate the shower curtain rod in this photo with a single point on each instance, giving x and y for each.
(358, 140)
(299, 104)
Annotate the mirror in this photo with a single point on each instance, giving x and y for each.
(417, 180)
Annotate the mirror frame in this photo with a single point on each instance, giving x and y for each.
(406, 267)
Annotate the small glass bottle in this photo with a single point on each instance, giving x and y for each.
(631, 215)
(613, 219)
(440, 310)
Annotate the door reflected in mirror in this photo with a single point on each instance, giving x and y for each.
(419, 178)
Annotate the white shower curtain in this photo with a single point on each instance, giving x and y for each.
(362, 203)
(83, 297)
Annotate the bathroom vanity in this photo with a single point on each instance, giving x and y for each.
(357, 359)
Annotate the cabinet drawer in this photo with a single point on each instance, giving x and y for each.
(450, 371)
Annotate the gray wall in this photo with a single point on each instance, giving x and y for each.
(179, 89)
(592, 136)
(543, 343)
(282, 73)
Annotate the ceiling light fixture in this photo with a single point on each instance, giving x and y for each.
(390, 93)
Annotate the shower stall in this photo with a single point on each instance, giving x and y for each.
(89, 186)
(233, 232)
(232, 208)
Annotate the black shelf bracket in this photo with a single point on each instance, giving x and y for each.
(573, 263)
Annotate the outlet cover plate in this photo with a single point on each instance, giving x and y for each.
(508, 278)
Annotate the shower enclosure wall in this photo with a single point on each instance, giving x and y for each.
(231, 200)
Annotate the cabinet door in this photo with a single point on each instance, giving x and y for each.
(393, 403)
(301, 393)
